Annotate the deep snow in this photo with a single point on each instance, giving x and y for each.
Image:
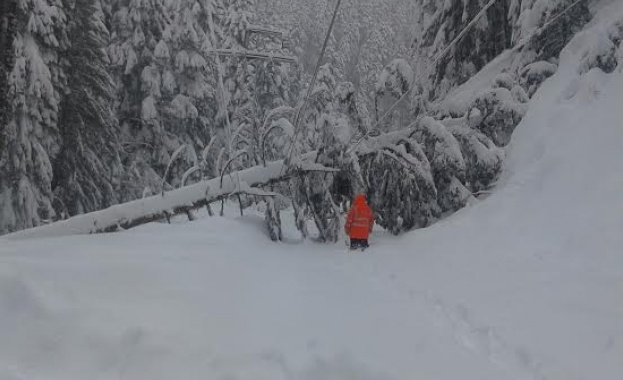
(527, 284)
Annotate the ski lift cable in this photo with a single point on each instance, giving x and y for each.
(427, 71)
(301, 110)
(454, 42)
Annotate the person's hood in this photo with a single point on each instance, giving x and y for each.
(360, 199)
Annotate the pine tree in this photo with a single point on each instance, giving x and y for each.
(443, 21)
(350, 102)
(88, 167)
(31, 136)
(136, 28)
(256, 88)
(315, 189)
(399, 181)
(236, 20)
(188, 97)
(367, 34)
(335, 116)
(483, 159)
(501, 113)
(530, 16)
(447, 163)
(320, 103)
(395, 80)
(7, 33)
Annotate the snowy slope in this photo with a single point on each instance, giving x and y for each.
(527, 284)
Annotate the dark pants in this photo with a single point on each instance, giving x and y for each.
(358, 243)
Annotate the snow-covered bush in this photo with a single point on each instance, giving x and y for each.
(504, 80)
(601, 54)
(519, 94)
(534, 74)
(395, 79)
(511, 82)
(483, 159)
(501, 113)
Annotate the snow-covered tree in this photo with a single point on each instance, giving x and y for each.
(534, 74)
(137, 26)
(244, 113)
(443, 21)
(88, 167)
(483, 159)
(256, 89)
(316, 187)
(447, 164)
(186, 59)
(501, 113)
(527, 17)
(320, 104)
(7, 33)
(350, 102)
(191, 97)
(367, 34)
(236, 20)
(390, 36)
(393, 82)
(333, 118)
(30, 139)
(399, 181)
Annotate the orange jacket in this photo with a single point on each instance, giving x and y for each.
(360, 219)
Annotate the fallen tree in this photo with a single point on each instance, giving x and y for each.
(177, 202)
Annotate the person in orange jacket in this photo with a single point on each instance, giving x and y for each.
(359, 223)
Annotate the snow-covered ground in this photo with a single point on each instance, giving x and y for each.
(527, 284)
